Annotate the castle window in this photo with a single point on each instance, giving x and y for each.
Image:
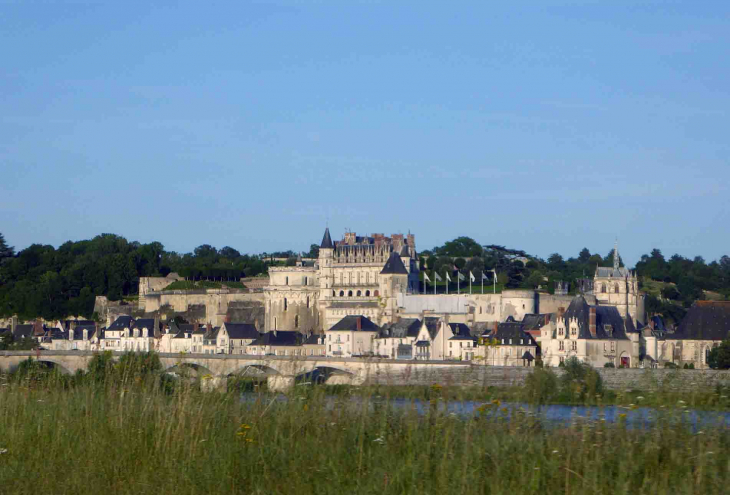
(307, 301)
(287, 281)
(296, 321)
(367, 293)
(615, 288)
(562, 345)
(376, 293)
(286, 305)
(359, 293)
(603, 288)
(575, 345)
(349, 293)
(305, 280)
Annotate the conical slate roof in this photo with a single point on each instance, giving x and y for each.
(394, 266)
(327, 240)
(404, 251)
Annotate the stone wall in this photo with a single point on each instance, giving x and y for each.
(615, 379)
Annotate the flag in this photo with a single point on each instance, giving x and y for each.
(484, 276)
(472, 278)
(461, 277)
(495, 274)
(425, 277)
(437, 276)
(448, 278)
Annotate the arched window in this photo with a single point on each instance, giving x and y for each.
(296, 321)
(144, 333)
(376, 293)
(359, 293)
(307, 301)
(286, 305)
(305, 280)
(287, 281)
(349, 293)
(615, 288)
(367, 293)
(275, 322)
(342, 293)
(334, 293)
(603, 288)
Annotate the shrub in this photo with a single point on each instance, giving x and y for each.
(580, 380)
(670, 366)
(609, 365)
(719, 358)
(541, 386)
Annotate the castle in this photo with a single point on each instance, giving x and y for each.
(378, 277)
(354, 276)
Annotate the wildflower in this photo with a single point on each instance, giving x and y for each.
(709, 452)
(639, 398)
(380, 440)
(3, 451)
(622, 416)
(306, 407)
(244, 426)
(250, 440)
(537, 469)
(496, 402)
(681, 402)
(555, 451)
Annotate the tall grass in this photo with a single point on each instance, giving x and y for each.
(133, 435)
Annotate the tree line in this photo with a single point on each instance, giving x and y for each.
(55, 283)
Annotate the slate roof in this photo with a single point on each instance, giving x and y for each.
(242, 331)
(23, 331)
(279, 338)
(404, 251)
(394, 266)
(327, 240)
(705, 320)
(79, 332)
(610, 272)
(147, 323)
(121, 323)
(609, 324)
(403, 328)
(3, 330)
(461, 332)
(432, 325)
(351, 323)
(314, 339)
(512, 331)
(533, 322)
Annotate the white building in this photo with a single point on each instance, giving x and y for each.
(353, 335)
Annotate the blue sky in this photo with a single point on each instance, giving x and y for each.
(547, 126)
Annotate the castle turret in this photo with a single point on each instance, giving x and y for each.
(326, 261)
(393, 281)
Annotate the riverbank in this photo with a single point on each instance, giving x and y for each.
(138, 435)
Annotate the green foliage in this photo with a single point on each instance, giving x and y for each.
(670, 365)
(541, 386)
(138, 365)
(101, 366)
(142, 440)
(9, 343)
(609, 365)
(719, 357)
(460, 247)
(579, 381)
(5, 250)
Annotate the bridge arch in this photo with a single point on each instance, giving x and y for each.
(255, 371)
(324, 374)
(199, 369)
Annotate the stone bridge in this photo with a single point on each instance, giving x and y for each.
(281, 372)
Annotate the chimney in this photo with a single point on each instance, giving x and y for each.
(592, 321)
(495, 327)
(651, 323)
(561, 312)
(547, 319)
(359, 323)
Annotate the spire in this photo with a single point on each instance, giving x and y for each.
(326, 240)
(615, 256)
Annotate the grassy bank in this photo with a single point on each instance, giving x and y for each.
(136, 435)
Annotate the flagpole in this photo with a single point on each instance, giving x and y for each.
(447, 284)
(434, 283)
(458, 283)
(470, 275)
(495, 281)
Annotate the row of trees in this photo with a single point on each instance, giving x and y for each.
(54, 283)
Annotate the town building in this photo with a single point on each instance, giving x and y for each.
(596, 335)
(508, 344)
(705, 326)
(352, 336)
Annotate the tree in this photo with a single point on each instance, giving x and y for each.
(5, 250)
(461, 246)
(460, 263)
(313, 251)
(229, 253)
(719, 357)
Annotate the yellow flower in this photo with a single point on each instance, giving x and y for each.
(306, 407)
(622, 416)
